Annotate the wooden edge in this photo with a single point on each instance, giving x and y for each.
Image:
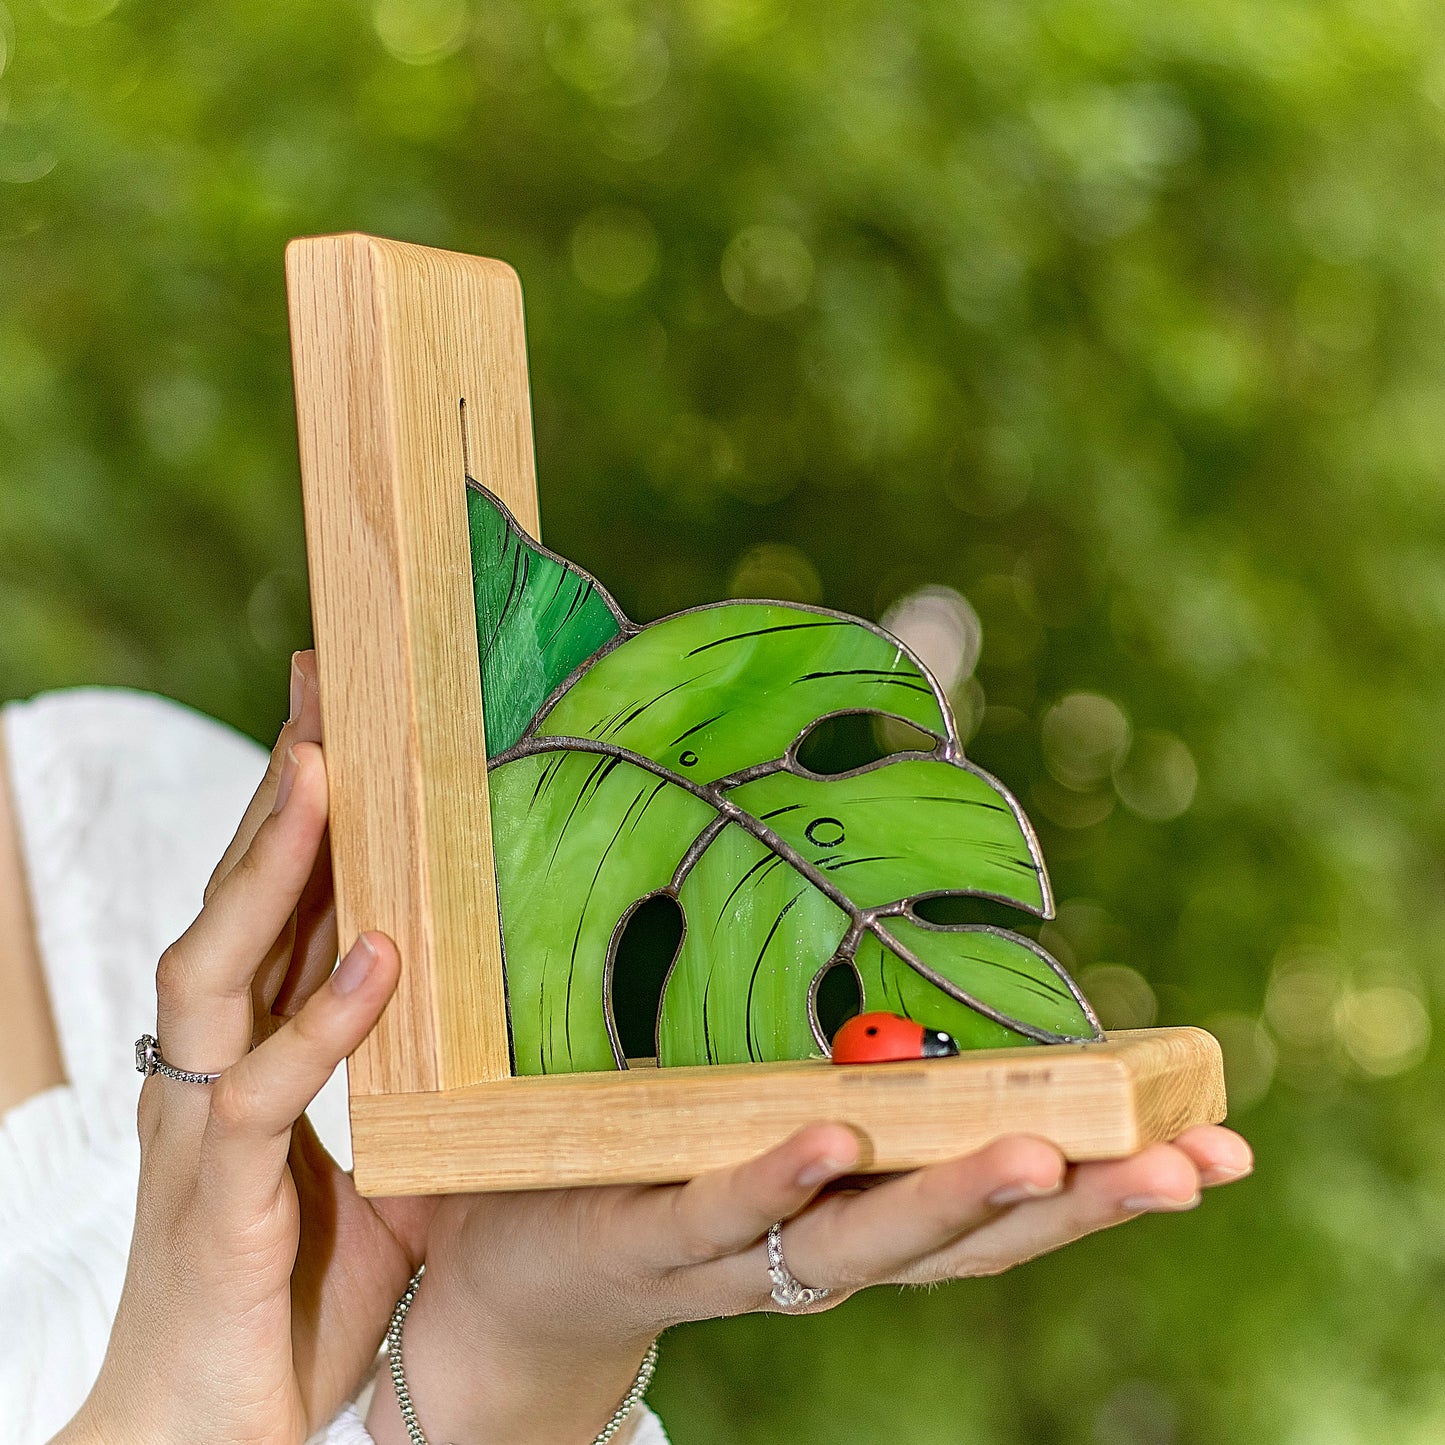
(1095, 1101)
(388, 340)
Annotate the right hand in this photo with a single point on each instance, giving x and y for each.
(537, 1307)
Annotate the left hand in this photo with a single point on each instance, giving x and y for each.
(259, 1281)
(537, 1307)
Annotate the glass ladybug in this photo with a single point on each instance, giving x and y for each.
(881, 1038)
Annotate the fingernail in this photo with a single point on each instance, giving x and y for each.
(286, 781)
(352, 970)
(1223, 1174)
(1025, 1189)
(820, 1171)
(298, 687)
(1157, 1203)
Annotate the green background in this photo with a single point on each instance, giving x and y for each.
(1123, 320)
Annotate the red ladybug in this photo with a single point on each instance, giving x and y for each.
(885, 1038)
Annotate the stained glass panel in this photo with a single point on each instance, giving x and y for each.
(629, 761)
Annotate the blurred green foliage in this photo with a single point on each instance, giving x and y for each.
(1122, 321)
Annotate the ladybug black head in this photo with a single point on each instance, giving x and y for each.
(938, 1045)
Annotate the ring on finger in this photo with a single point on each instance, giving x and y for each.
(789, 1292)
(148, 1061)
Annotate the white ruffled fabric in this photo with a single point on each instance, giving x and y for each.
(124, 803)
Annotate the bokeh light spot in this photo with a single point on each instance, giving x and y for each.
(1384, 1030)
(1069, 807)
(1300, 1000)
(1084, 737)
(1158, 779)
(614, 250)
(767, 270)
(774, 570)
(608, 55)
(1122, 996)
(420, 32)
(1250, 1057)
(79, 12)
(941, 628)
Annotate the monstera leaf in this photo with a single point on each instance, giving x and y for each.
(664, 760)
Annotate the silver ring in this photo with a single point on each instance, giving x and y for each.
(148, 1061)
(789, 1292)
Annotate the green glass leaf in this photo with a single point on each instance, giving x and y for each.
(538, 618)
(718, 689)
(680, 777)
(580, 839)
(902, 829)
(758, 933)
(940, 976)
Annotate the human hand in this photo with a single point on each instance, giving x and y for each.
(258, 1283)
(526, 1293)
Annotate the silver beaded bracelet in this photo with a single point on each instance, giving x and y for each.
(414, 1432)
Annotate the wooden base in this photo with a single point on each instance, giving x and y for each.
(648, 1125)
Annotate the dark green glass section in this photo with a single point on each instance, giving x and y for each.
(538, 619)
(902, 829)
(1000, 970)
(579, 839)
(757, 934)
(709, 692)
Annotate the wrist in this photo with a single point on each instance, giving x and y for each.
(470, 1380)
(90, 1426)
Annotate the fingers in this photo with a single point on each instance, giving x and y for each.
(305, 696)
(204, 980)
(315, 944)
(303, 725)
(976, 1216)
(255, 1103)
(849, 1241)
(1220, 1155)
(730, 1209)
(1162, 1178)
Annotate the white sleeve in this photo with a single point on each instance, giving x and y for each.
(649, 1429)
(347, 1429)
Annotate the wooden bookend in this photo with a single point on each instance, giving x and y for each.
(411, 372)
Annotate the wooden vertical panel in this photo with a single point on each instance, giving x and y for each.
(388, 341)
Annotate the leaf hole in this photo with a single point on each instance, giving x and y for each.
(838, 998)
(844, 741)
(952, 910)
(644, 953)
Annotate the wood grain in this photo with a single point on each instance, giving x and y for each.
(649, 1125)
(387, 341)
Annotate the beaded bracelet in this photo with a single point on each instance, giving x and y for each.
(630, 1400)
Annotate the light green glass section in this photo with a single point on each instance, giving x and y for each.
(998, 969)
(889, 985)
(757, 934)
(709, 692)
(537, 619)
(902, 829)
(579, 839)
